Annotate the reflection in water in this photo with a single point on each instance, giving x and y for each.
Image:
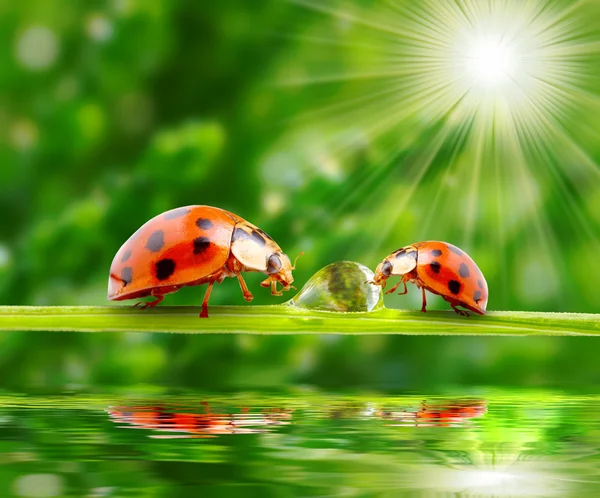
(437, 413)
(500, 443)
(207, 424)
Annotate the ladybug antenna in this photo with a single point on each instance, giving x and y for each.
(294, 265)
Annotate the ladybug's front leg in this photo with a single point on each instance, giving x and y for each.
(405, 291)
(274, 291)
(424, 308)
(394, 288)
(247, 294)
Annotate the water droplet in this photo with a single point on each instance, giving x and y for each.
(340, 287)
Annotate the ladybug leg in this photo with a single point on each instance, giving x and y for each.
(394, 288)
(405, 289)
(247, 294)
(460, 312)
(204, 312)
(150, 304)
(274, 291)
(424, 307)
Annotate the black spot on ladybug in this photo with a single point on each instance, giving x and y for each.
(164, 269)
(455, 250)
(463, 270)
(480, 284)
(258, 237)
(400, 252)
(477, 297)
(126, 255)
(126, 275)
(435, 267)
(156, 241)
(263, 233)
(274, 264)
(239, 234)
(454, 286)
(386, 268)
(201, 244)
(204, 223)
(436, 253)
(407, 253)
(176, 213)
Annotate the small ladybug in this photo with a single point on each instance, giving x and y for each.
(440, 268)
(195, 245)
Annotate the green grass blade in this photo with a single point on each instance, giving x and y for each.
(285, 319)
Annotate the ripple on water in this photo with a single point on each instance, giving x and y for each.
(494, 443)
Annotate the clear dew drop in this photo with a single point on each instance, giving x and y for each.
(342, 287)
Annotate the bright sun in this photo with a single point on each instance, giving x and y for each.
(489, 62)
(499, 63)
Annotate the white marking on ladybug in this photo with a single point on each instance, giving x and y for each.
(404, 262)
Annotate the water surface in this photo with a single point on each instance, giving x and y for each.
(303, 442)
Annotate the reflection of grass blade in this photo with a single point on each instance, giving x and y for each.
(284, 319)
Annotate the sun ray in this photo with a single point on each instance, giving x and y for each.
(492, 95)
(341, 14)
(545, 235)
(471, 211)
(399, 208)
(462, 134)
(571, 202)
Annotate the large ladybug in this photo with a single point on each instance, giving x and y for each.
(195, 245)
(440, 268)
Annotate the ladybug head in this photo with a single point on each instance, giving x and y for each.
(400, 262)
(382, 273)
(279, 269)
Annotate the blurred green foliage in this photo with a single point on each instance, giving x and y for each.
(112, 112)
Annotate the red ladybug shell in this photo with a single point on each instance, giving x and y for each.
(446, 270)
(180, 247)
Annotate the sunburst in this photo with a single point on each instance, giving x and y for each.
(477, 104)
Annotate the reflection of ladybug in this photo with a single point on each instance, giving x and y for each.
(452, 411)
(158, 419)
(440, 268)
(195, 245)
(438, 414)
(206, 424)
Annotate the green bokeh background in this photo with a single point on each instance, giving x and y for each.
(117, 111)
